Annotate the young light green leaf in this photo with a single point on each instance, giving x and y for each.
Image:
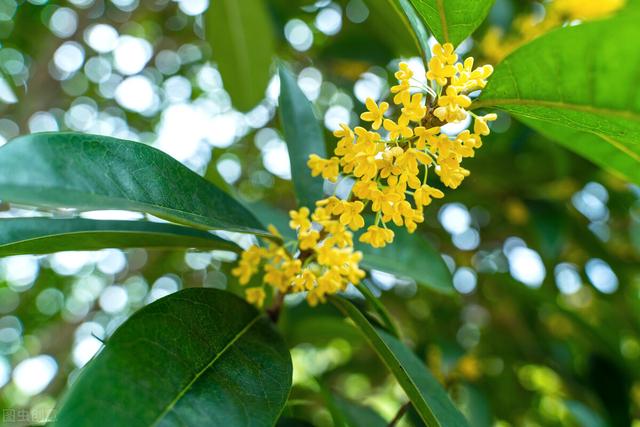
(303, 135)
(452, 21)
(90, 172)
(194, 358)
(46, 235)
(575, 85)
(427, 396)
(410, 255)
(242, 39)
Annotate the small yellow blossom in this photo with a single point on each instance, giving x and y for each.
(425, 193)
(300, 219)
(255, 296)
(398, 130)
(329, 169)
(377, 237)
(480, 124)
(375, 113)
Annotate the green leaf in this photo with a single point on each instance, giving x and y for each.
(197, 357)
(452, 21)
(46, 235)
(357, 415)
(427, 396)
(409, 35)
(89, 172)
(576, 86)
(243, 43)
(304, 136)
(410, 255)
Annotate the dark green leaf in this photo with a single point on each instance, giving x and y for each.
(427, 396)
(292, 422)
(409, 36)
(452, 21)
(46, 235)
(357, 415)
(89, 172)
(410, 255)
(304, 136)
(197, 357)
(576, 86)
(242, 38)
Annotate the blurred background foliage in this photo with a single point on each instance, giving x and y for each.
(543, 246)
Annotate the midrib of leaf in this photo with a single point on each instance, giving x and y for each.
(620, 114)
(186, 388)
(443, 20)
(79, 233)
(239, 41)
(378, 343)
(620, 146)
(157, 210)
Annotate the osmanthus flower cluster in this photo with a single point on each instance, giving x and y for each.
(496, 45)
(389, 163)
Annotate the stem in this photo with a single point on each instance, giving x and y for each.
(403, 409)
(379, 308)
(274, 311)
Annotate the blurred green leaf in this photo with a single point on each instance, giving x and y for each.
(47, 235)
(452, 21)
(197, 357)
(304, 136)
(357, 415)
(242, 37)
(410, 255)
(590, 108)
(427, 396)
(292, 422)
(90, 172)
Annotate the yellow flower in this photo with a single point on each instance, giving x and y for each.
(350, 214)
(300, 219)
(375, 113)
(413, 108)
(480, 124)
(330, 169)
(308, 239)
(423, 195)
(377, 237)
(439, 71)
(248, 265)
(398, 130)
(424, 135)
(404, 73)
(445, 52)
(255, 296)
(452, 105)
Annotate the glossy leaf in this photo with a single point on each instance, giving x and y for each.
(197, 357)
(427, 396)
(452, 21)
(592, 108)
(243, 42)
(47, 235)
(89, 172)
(409, 36)
(303, 135)
(412, 256)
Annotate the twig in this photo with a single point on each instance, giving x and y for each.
(274, 310)
(403, 409)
